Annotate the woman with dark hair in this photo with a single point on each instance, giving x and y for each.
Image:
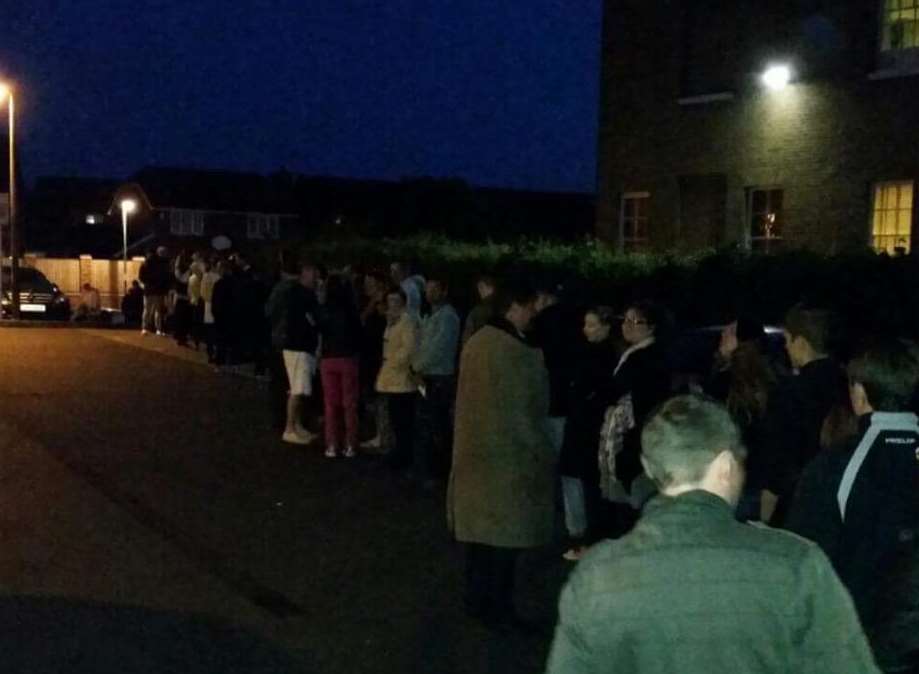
(340, 333)
(587, 404)
(744, 379)
(640, 382)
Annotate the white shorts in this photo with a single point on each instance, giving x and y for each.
(301, 367)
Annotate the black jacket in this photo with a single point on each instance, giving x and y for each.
(156, 275)
(791, 428)
(881, 510)
(341, 331)
(588, 400)
(646, 374)
(223, 304)
(555, 330)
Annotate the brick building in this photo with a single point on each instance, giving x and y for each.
(696, 150)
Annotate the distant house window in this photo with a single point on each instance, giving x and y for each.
(262, 226)
(900, 25)
(183, 222)
(892, 217)
(766, 218)
(94, 219)
(633, 221)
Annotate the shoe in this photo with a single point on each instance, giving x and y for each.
(293, 438)
(144, 332)
(349, 453)
(160, 333)
(303, 433)
(330, 453)
(371, 444)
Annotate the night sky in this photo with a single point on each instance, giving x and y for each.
(497, 92)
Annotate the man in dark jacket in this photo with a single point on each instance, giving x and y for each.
(250, 331)
(691, 590)
(555, 331)
(155, 275)
(482, 312)
(861, 504)
(797, 408)
(292, 310)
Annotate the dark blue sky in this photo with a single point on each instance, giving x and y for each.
(497, 92)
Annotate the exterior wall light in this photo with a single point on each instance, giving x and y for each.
(776, 77)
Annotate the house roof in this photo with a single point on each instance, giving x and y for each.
(214, 190)
(54, 194)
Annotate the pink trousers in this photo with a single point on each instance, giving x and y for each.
(340, 390)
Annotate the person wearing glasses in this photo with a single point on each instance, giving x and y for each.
(639, 382)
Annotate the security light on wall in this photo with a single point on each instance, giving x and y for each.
(776, 77)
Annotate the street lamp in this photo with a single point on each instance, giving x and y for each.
(6, 93)
(776, 77)
(128, 206)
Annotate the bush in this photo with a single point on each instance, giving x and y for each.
(871, 293)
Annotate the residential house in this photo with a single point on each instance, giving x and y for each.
(766, 124)
(192, 208)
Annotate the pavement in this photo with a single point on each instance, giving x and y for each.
(149, 514)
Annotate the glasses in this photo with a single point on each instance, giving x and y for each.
(631, 320)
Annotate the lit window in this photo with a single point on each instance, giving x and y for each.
(766, 216)
(900, 28)
(633, 221)
(892, 218)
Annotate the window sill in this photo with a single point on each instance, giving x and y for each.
(707, 98)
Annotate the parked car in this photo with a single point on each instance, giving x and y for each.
(38, 297)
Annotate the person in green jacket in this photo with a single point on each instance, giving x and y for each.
(690, 589)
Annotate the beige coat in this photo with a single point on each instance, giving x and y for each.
(502, 486)
(400, 341)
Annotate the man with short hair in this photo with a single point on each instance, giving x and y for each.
(690, 589)
(501, 496)
(484, 311)
(291, 309)
(155, 275)
(434, 364)
(861, 503)
(797, 407)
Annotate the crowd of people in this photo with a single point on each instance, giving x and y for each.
(536, 401)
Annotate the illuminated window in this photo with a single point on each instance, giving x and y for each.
(892, 221)
(766, 215)
(633, 221)
(900, 25)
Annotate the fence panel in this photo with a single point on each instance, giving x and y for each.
(107, 276)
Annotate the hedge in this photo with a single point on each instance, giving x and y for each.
(870, 293)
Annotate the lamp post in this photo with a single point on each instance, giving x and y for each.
(6, 92)
(128, 206)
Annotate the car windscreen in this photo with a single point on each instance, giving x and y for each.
(29, 280)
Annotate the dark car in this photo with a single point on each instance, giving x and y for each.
(38, 297)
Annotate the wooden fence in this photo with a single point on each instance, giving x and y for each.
(107, 276)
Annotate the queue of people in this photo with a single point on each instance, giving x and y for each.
(658, 475)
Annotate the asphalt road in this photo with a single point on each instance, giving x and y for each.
(147, 508)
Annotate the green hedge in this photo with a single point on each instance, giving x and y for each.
(870, 293)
